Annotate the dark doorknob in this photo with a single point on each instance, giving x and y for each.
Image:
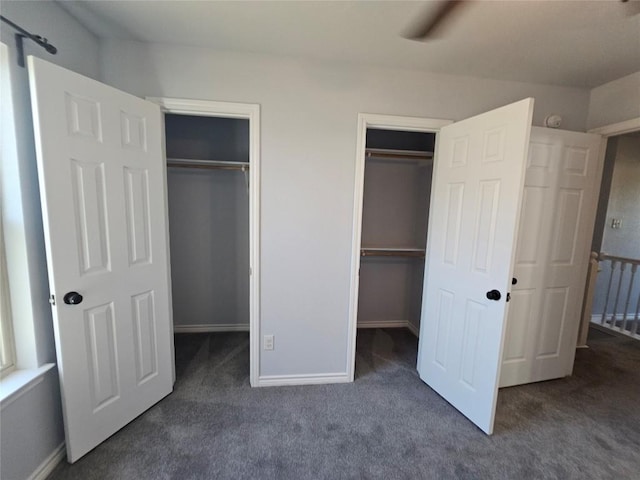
(494, 295)
(514, 280)
(72, 298)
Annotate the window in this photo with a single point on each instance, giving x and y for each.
(7, 356)
(7, 345)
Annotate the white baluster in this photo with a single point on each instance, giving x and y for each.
(636, 320)
(606, 302)
(623, 265)
(634, 268)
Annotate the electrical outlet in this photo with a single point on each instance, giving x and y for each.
(616, 223)
(268, 342)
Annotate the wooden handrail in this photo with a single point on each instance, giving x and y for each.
(606, 256)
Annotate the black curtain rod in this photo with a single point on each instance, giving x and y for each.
(43, 42)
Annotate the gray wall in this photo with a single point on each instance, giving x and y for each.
(615, 101)
(32, 424)
(309, 115)
(624, 204)
(209, 230)
(605, 190)
(209, 223)
(31, 429)
(309, 122)
(624, 200)
(395, 214)
(207, 138)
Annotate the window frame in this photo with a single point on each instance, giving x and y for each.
(7, 341)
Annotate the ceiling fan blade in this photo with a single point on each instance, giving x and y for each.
(432, 21)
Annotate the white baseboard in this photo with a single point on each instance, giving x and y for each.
(413, 329)
(220, 327)
(607, 329)
(384, 324)
(613, 331)
(391, 324)
(314, 379)
(49, 463)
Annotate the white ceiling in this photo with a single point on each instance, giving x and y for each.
(571, 43)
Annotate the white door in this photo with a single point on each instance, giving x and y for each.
(558, 212)
(475, 203)
(103, 194)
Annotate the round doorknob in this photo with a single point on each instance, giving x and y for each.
(72, 298)
(494, 295)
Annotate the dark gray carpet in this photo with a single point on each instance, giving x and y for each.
(385, 425)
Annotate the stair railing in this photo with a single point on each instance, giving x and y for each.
(621, 310)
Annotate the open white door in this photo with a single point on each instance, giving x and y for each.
(475, 203)
(102, 187)
(558, 213)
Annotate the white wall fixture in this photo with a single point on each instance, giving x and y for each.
(553, 121)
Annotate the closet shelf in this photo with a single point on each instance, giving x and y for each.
(392, 252)
(207, 164)
(398, 154)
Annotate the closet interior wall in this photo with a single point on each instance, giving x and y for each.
(395, 214)
(208, 222)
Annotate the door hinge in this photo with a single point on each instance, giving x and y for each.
(52, 299)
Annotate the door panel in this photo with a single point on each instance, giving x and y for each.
(89, 206)
(101, 348)
(102, 187)
(515, 346)
(138, 215)
(561, 190)
(477, 186)
(145, 336)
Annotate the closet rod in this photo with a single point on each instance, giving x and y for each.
(207, 164)
(398, 154)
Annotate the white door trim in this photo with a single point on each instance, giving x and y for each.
(250, 112)
(620, 128)
(607, 131)
(612, 130)
(388, 122)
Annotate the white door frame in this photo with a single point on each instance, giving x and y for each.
(614, 130)
(620, 128)
(387, 122)
(607, 131)
(250, 112)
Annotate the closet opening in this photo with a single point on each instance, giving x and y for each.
(398, 169)
(212, 181)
